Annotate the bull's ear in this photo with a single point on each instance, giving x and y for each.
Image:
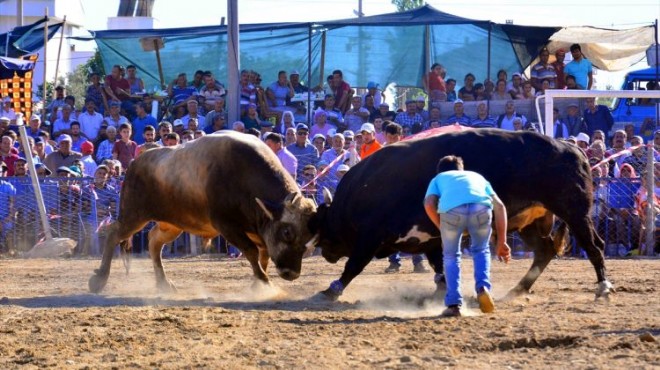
(268, 213)
(327, 196)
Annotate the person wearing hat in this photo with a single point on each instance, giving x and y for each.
(369, 143)
(87, 150)
(558, 65)
(42, 170)
(114, 118)
(384, 113)
(321, 125)
(341, 171)
(6, 110)
(573, 120)
(356, 115)
(56, 103)
(410, 116)
(319, 143)
(421, 104)
(304, 151)
(251, 118)
(373, 91)
(63, 156)
(580, 67)
(20, 167)
(459, 115)
(543, 70)
(67, 171)
(34, 126)
(582, 141)
(193, 112)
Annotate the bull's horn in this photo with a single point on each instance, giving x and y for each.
(293, 200)
(313, 242)
(327, 196)
(268, 213)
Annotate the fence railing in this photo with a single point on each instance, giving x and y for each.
(79, 208)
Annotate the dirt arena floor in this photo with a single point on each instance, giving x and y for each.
(216, 320)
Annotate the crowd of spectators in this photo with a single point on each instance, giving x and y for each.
(118, 121)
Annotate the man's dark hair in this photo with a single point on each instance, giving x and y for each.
(337, 72)
(172, 135)
(576, 47)
(253, 131)
(148, 128)
(88, 100)
(274, 137)
(451, 80)
(199, 72)
(393, 128)
(130, 66)
(449, 163)
(125, 125)
(74, 123)
(141, 104)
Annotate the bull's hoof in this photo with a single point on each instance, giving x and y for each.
(604, 290)
(327, 295)
(97, 282)
(514, 293)
(167, 286)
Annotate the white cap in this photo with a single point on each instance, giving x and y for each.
(582, 137)
(343, 168)
(368, 127)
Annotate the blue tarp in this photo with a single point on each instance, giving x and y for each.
(26, 39)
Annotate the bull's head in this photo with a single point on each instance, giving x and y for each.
(332, 248)
(286, 234)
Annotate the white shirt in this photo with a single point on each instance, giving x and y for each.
(90, 124)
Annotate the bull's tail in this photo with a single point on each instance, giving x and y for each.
(559, 239)
(125, 252)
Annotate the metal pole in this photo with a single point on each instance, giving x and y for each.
(322, 64)
(233, 61)
(45, 90)
(309, 75)
(59, 52)
(650, 196)
(19, 13)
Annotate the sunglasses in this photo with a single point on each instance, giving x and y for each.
(301, 133)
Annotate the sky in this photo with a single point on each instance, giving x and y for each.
(599, 13)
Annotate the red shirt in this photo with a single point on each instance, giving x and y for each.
(561, 79)
(435, 82)
(126, 152)
(121, 84)
(343, 89)
(9, 161)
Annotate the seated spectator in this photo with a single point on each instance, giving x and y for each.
(286, 123)
(560, 129)
(90, 121)
(501, 93)
(115, 119)
(410, 116)
(467, 93)
(483, 119)
(76, 137)
(211, 91)
(64, 156)
(341, 90)
(197, 81)
(383, 113)
(337, 150)
(278, 93)
(545, 85)
(357, 115)
(321, 126)
(528, 91)
(505, 120)
(305, 152)
(63, 125)
(596, 150)
(489, 88)
(34, 126)
(574, 121)
(95, 92)
(458, 116)
(193, 112)
(251, 118)
(136, 84)
(571, 83)
(118, 89)
(319, 143)
(289, 161)
(289, 136)
(219, 123)
(51, 109)
(434, 115)
(435, 80)
(518, 124)
(629, 128)
(179, 90)
(141, 121)
(240, 127)
(598, 135)
(218, 109)
(480, 92)
(582, 141)
(515, 87)
(370, 106)
(265, 127)
(451, 92)
(333, 114)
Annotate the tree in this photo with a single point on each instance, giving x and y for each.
(405, 5)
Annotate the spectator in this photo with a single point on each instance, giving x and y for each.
(480, 92)
(543, 70)
(337, 150)
(240, 127)
(302, 149)
(286, 123)
(467, 93)
(410, 116)
(180, 92)
(483, 119)
(505, 120)
(278, 93)
(251, 118)
(528, 91)
(333, 114)
(118, 89)
(319, 143)
(95, 92)
(369, 105)
(515, 87)
(629, 128)
(171, 139)
(42, 148)
(458, 116)
(192, 113)
(90, 121)
(393, 133)
(373, 91)
(288, 160)
(290, 137)
(558, 65)
(136, 84)
(321, 126)
(148, 139)
(356, 115)
(125, 149)
(370, 144)
(582, 141)
(560, 129)
(218, 109)
(7, 155)
(501, 93)
(54, 105)
(114, 119)
(434, 115)
(219, 123)
(341, 90)
(87, 149)
(571, 83)
(580, 67)
(298, 88)
(573, 121)
(597, 117)
(64, 156)
(63, 125)
(384, 113)
(434, 81)
(211, 91)
(141, 121)
(34, 126)
(451, 92)
(76, 137)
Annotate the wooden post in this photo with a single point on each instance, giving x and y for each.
(59, 52)
(160, 66)
(45, 90)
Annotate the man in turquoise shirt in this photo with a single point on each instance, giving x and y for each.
(459, 200)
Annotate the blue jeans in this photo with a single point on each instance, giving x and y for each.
(396, 258)
(476, 219)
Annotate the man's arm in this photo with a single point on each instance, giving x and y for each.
(590, 76)
(431, 208)
(499, 211)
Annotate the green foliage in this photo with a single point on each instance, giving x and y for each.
(405, 5)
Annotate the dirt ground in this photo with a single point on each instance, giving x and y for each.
(217, 320)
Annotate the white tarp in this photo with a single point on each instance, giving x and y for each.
(609, 50)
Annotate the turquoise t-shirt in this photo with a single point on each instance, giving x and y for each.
(580, 70)
(456, 188)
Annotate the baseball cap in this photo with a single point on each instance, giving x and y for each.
(192, 101)
(302, 126)
(582, 137)
(368, 127)
(294, 72)
(35, 117)
(343, 168)
(75, 170)
(458, 101)
(39, 140)
(349, 133)
(20, 159)
(372, 85)
(516, 74)
(318, 136)
(5, 119)
(177, 122)
(421, 98)
(573, 105)
(38, 166)
(66, 170)
(64, 137)
(115, 103)
(87, 147)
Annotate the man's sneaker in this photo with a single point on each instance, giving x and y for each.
(392, 268)
(420, 268)
(452, 311)
(486, 303)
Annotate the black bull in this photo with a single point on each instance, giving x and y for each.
(378, 207)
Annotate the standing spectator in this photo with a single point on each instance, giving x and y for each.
(580, 67)
(286, 123)
(148, 139)
(125, 149)
(89, 168)
(515, 87)
(95, 92)
(290, 137)
(6, 110)
(501, 92)
(90, 121)
(7, 155)
(434, 81)
(597, 117)
(573, 121)
(58, 102)
(341, 90)
(458, 201)
(458, 116)
(393, 133)
(63, 156)
(302, 149)
(560, 129)
(505, 120)
(373, 91)
(105, 148)
(288, 160)
(337, 150)
(543, 71)
(370, 144)
(558, 65)
(114, 119)
(333, 114)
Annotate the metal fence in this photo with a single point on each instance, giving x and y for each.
(78, 209)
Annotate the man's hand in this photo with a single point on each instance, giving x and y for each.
(504, 252)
